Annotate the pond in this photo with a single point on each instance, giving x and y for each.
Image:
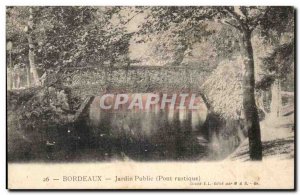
(141, 135)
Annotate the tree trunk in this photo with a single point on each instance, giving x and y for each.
(260, 103)
(10, 80)
(18, 79)
(33, 71)
(249, 105)
(28, 76)
(276, 100)
(31, 53)
(10, 72)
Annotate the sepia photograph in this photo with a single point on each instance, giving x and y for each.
(150, 97)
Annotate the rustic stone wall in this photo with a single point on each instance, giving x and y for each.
(92, 81)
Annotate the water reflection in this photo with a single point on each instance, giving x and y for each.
(142, 135)
(156, 134)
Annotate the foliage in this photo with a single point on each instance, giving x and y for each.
(41, 106)
(280, 61)
(67, 36)
(223, 89)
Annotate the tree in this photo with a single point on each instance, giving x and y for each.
(31, 52)
(170, 46)
(245, 20)
(59, 37)
(10, 76)
(277, 65)
(16, 21)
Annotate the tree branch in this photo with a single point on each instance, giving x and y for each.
(235, 26)
(236, 17)
(133, 17)
(255, 22)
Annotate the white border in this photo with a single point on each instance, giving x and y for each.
(4, 3)
(145, 2)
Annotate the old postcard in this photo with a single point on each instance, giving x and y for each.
(150, 97)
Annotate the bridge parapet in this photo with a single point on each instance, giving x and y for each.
(137, 79)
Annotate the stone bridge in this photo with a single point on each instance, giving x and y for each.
(221, 89)
(134, 79)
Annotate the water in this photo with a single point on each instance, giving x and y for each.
(156, 134)
(140, 135)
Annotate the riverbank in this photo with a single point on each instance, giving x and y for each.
(277, 137)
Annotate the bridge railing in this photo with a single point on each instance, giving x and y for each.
(92, 80)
